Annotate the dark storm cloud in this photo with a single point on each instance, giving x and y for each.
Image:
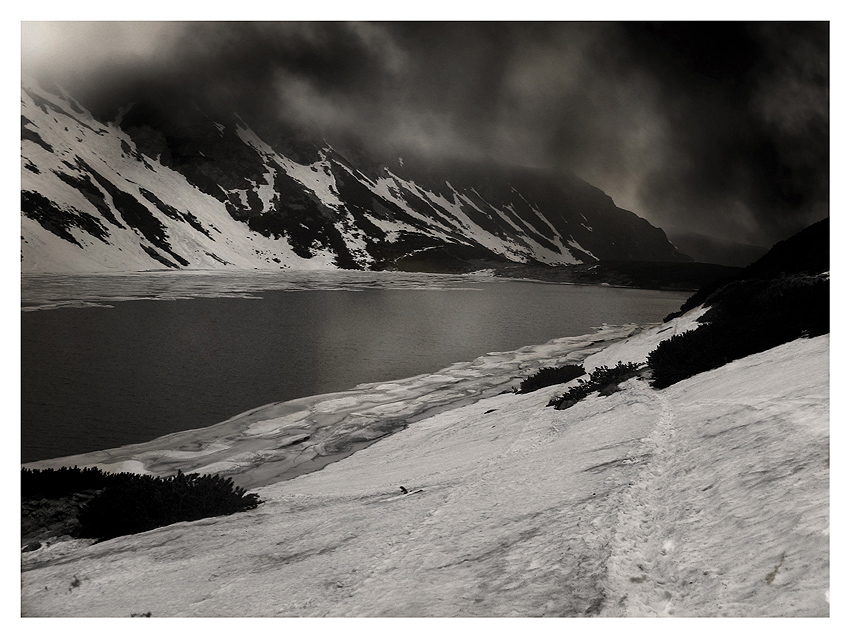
(714, 128)
(747, 106)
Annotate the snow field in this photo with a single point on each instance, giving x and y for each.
(703, 499)
(742, 531)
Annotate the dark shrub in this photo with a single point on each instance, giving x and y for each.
(550, 376)
(64, 481)
(603, 380)
(142, 503)
(747, 317)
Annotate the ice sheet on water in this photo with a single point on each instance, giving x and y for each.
(251, 447)
(45, 292)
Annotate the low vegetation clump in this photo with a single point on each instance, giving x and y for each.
(545, 377)
(603, 379)
(746, 317)
(146, 502)
(65, 481)
(127, 503)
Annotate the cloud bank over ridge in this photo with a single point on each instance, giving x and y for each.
(713, 128)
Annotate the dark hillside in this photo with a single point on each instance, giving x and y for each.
(668, 275)
(631, 274)
(779, 298)
(712, 251)
(806, 253)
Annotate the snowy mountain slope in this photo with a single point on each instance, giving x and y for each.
(707, 498)
(91, 202)
(152, 191)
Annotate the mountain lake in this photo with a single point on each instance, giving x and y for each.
(108, 360)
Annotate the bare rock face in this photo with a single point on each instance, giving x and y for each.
(182, 188)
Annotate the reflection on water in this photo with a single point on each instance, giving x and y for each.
(219, 344)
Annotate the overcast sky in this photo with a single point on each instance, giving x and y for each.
(714, 128)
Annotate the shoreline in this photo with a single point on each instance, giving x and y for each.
(280, 441)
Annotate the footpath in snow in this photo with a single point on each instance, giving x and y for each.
(707, 498)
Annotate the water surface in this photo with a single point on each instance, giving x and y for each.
(111, 360)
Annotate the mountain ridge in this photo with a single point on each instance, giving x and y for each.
(151, 190)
